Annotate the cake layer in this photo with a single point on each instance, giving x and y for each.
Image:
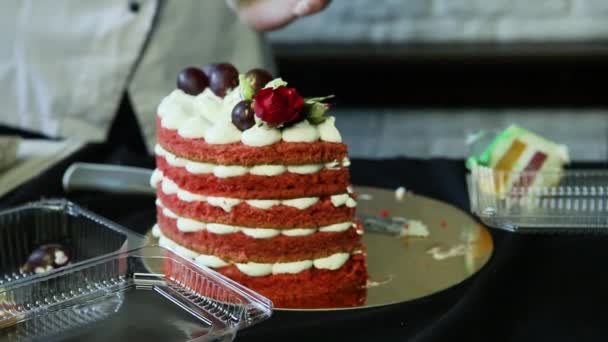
(240, 248)
(226, 171)
(313, 288)
(322, 213)
(286, 153)
(284, 186)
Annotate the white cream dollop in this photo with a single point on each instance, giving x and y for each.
(209, 106)
(223, 132)
(175, 118)
(260, 135)
(328, 131)
(303, 131)
(232, 98)
(194, 128)
(176, 99)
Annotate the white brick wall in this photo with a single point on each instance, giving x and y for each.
(403, 21)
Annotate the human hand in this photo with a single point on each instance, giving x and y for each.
(266, 15)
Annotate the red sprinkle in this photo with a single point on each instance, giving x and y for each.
(443, 223)
(384, 213)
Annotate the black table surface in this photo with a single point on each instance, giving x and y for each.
(535, 287)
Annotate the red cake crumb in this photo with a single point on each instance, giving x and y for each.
(323, 213)
(384, 213)
(284, 186)
(238, 247)
(239, 154)
(312, 288)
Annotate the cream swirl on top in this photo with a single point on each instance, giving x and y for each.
(208, 116)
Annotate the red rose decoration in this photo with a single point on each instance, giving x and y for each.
(278, 106)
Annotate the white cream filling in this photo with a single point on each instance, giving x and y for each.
(226, 171)
(170, 188)
(208, 116)
(157, 177)
(210, 261)
(301, 203)
(305, 169)
(188, 225)
(223, 202)
(332, 262)
(254, 269)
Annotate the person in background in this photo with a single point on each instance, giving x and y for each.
(96, 70)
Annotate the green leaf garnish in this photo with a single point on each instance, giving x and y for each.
(246, 87)
(277, 82)
(316, 112)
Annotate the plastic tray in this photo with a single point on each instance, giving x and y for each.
(86, 235)
(118, 298)
(578, 202)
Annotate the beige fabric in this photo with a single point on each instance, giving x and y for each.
(66, 63)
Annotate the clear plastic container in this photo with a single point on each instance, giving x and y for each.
(578, 200)
(119, 298)
(84, 234)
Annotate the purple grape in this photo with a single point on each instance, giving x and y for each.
(258, 78)
(192, 81)
(243, 115)
(222, 76)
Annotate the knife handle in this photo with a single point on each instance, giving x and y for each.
(108, 178)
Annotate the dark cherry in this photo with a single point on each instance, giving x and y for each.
(192, 81)
(258, 78)
(222, 76)
(243, 116)
(46, 258)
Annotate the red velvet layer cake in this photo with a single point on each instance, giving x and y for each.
(252, 180)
